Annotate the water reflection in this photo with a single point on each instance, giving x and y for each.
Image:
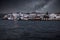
(16, 23)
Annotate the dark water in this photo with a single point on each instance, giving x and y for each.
(29, 30)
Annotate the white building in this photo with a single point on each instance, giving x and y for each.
(10, 17)
(52, 16)
(58, 16)
(21, 15)
(15, 16)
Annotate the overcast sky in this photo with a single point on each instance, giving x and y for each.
(8, 6)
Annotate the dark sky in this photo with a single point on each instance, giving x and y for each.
(8, 6)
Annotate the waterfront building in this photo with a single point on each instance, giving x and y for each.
(21, 14)
(16, 16)
(58, 16)
(52, 16)
(32, 16)
(5, 17)
(46, 16)
(35, 16)
(10, 16)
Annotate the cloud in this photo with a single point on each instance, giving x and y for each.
(30, 5)
(45, 7)
(34, 5)
(52, 6)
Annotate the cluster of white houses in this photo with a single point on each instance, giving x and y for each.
(32, 16)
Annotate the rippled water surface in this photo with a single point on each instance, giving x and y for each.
(29, 30)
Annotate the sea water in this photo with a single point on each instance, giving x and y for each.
(29, 30)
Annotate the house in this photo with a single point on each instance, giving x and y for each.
(58, 16)
(46, 16)
(10, 16)
(52, 16)
(15, 16)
